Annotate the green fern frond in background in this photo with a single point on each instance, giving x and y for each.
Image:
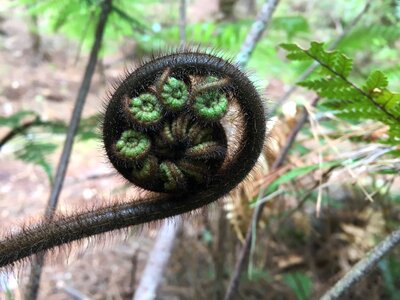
(377, 44)
(16, 119)
(37, 152)
(372, 101)
(369, 36)
(291, 25)
(39, 140)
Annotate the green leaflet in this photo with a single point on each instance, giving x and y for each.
(375, 80)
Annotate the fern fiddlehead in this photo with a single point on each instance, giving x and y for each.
(164, 130)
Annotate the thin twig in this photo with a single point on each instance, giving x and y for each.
(315, 64)
(219, 251)
(182, 22)
(73, 293)
(256, 31)
(26, 126)
(292, 136)
(362, 268)
(157, 261)
(76, 115)
(33, 285)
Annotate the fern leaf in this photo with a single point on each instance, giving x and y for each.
(333, 62)
(358, 111)
(373, 101)
(332, 88)
(328, 85)
(317, 52)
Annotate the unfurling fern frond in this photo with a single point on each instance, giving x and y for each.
(373, 101)
(168, 130)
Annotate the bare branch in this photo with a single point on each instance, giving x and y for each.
(33, 286)
(157, 261)
(256, 31)
(361, 269)
(76, 115)
(182, 22)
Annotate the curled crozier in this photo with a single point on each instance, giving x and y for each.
(187, 127)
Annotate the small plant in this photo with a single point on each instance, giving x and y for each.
(371, 101)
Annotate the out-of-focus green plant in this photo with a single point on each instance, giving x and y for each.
(390, 269)
(300, 283)
(35, 145)
(77, 19)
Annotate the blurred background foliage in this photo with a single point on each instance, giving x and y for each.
(343, 135)
(152, 31)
